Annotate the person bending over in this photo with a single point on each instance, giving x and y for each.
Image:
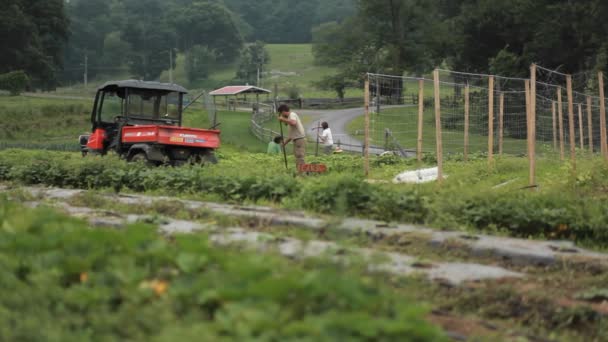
(295, 133)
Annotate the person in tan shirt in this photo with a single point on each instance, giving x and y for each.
(295, 133)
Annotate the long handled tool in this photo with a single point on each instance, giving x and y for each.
(317, 148)
(282, 145)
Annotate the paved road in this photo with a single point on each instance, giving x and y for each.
(338, 121)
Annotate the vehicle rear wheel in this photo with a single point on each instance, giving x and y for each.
(208, 157)
(205, 157)
(141, 157)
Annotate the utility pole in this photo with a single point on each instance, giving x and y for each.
(260, 66)
(170, 65)
(86, 69)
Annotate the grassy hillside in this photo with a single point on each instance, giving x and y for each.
(43, 121)
(291, 66)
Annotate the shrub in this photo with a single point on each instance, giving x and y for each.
(15, 82)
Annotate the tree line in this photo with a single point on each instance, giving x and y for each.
(484, 36)
(56, 41)
(32, 37)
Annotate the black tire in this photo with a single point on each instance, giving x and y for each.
(141, 157)
(203, 158)
(208, 157)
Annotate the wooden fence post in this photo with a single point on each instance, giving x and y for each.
(571, 130)
(604, 148)
(560, 122)
(530, 135)
(491, 119)
(553, 112)
(438, 126)
(533, 103)
(590, 124)
(501, 122)
(420, 118)
(366, 143)
(581, 138)
(532, 125)
(467, 90)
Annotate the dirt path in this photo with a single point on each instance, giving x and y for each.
(479, 286)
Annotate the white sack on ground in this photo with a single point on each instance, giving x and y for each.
(417, 176)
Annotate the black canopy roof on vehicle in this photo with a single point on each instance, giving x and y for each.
(143, 85)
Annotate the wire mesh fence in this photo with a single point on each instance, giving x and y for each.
(485, 113)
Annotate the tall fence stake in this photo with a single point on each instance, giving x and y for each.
(590, 124)
(553, 114)
(501, 114)
(571, 130)
(581, 138)
(604, 148)
(420, 118)
(560, 121)
(366, 143)
(530, 135)
(491, 119)
(438, 126)
(533, 125)
(466, 121)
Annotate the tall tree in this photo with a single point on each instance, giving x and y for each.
(199, 62)
(208, 24)
(254, 58)
(90, 22)
(33, 34)
(385, 36)
(404, 28)
(150, 37)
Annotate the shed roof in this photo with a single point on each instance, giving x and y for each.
(235, 90)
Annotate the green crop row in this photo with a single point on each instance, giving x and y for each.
(62, 281)
(567, 205)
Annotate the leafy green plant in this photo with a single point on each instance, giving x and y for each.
(63, 281)
(474, 194)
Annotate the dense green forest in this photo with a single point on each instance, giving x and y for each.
(500, 37)
(139, 35)
(58, 41)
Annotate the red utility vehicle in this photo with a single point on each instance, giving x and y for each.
(143, 121)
